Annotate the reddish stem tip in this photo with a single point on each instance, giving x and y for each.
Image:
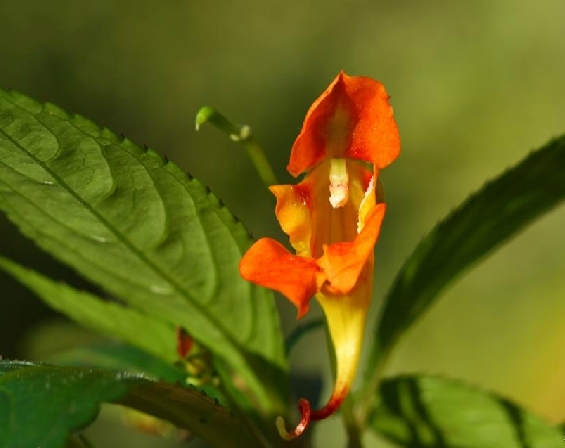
(305, 412)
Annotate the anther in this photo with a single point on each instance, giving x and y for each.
(339, 188)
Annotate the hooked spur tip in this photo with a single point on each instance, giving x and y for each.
(305, 411)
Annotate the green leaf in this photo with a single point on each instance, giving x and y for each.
(40, 405)
(144, 231)
(156, 353)
(426, 411)
(78, 441)
(482, 223)
(119, 356)
(106, 317)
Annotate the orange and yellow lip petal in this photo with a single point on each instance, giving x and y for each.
(268, 263)
(342, 263)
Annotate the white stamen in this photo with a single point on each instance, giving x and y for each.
(339, 187)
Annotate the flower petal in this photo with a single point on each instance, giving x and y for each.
(293, 214)
(342, 263)
(268, 263)
(346, 316)
(351, 119)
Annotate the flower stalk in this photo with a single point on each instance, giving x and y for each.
(243, 136)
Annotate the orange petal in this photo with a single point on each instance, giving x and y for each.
(342, 263)
(351, 119)
(268, 263)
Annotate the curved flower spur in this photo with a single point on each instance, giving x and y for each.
(333, 218)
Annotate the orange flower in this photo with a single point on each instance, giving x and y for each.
(333, 218)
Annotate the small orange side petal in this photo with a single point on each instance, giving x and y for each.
(342, 263)
(293, 214)
(268, 263)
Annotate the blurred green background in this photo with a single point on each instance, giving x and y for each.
(475, 86)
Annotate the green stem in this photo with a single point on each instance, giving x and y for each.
(366, 396)
(259, 160)
(352, 427)
(300, 332)
(356, 408)
(78, 441)
(242, 135)
(253, 421)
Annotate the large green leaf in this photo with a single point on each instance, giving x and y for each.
(152, 351)
(482, 223)
(119, 356)
(143, 230)
(427, 411)
(110, 318)
(40, 405)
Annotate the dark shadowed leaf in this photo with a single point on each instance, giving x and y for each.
(487, 219)
(425, 412)
(40, 405)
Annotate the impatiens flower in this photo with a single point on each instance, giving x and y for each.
(333, 218)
